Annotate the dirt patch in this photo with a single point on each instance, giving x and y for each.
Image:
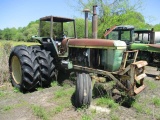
(55, 103)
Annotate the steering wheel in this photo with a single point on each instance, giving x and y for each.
(65, 33)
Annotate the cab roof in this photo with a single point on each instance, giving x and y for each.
(56, 19)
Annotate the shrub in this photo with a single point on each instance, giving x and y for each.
(4, 56)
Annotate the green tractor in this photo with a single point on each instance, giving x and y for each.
(144, 40)
(95, 62)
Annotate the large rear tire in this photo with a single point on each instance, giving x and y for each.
(23, 67)
(83, 90)
(47, 68)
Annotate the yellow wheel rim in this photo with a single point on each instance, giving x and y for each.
(16, 69)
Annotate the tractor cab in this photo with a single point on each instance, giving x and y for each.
(122, 32)
(146, 36)
(60, 27)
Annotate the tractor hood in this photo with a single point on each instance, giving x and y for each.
(94, 43)
(145, 47)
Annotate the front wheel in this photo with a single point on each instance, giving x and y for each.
(83, 90)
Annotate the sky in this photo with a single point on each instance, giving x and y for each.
(19, 13)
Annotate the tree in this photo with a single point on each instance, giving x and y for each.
(1, 34)
(157, 27)
(30, 30)
(115, 12)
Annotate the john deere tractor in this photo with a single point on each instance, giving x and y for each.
(94, 61)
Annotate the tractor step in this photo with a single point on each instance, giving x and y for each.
(138, 90)
(140, 64)
(141, 76)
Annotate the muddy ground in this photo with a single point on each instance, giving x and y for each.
(56, 103)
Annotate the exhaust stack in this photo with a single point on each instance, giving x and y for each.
(86, 11)
(94, 22)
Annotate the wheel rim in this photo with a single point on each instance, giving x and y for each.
(16, 70)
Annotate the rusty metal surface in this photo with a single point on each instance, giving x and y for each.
(134, 73)
(140, 64)
(109, 31)
(56, 19)
(102, 72)
(155, 45)
(86, 22)
(140, 89)
(94, 22)
(89, 42)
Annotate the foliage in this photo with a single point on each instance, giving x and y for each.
(115, 12)
(20, 34)
(157, 27)
(156, 101)
(110, 13)
(107, 101)
(80, 26)
(4, 56)
(40, 112)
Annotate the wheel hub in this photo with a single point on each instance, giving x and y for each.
(16, 70)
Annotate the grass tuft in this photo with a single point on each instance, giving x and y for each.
(40, 112)
(107, 101)
(54, 83)
(4, 68)
(156, 101)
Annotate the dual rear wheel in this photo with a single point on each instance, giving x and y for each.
(29, 67)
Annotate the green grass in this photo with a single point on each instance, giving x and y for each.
(14, 106)
(151, 85)
(39, 88)
(57, 110)
(156, 101)
(86, 117)
(54, 83)
(16, 90)
(142, 108)
(2, 94)
(63, 93)
(114, 117)
(8, 108)
(106, 102)
(40, 112)
(138, 106)
(14, 43)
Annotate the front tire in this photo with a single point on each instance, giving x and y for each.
(23, 67)
(83, 90)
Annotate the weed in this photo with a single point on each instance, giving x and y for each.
(10, 107)
(106, 101)
(40, 112)
(54, 83)
(57, 110)
(7, 108)
(138, 107)
(86, 117)
(63, 92)
(148, 111)
(16, 90)
(114, 117)
(39, 88)
(60, 93)
(2, 94)
(4, 68)
(157, 117)
(156, 101)
(151, 85)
